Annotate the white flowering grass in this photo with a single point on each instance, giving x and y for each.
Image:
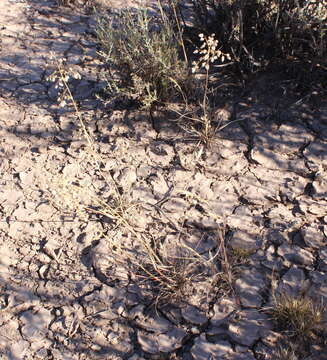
(208, 53)
(61, 77)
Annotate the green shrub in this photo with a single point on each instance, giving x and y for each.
(143, 56)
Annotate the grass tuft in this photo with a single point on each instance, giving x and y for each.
(298, 317)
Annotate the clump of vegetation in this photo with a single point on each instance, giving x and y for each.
(255, 33)
(176, 53)
(299, 316)
(143, 55)
(262, 32)
(286, 352)
(170, 271)
(300, 321)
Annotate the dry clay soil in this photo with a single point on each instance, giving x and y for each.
(63, 293)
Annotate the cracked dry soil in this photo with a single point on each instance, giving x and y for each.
(61, 294)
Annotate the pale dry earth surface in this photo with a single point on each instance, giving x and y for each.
(63, 295)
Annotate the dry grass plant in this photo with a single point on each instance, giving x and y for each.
(200, 123)
(174, 275)
(169, 272)
(299, 317)
(301, 320)
(115, 207)
(286, 352)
